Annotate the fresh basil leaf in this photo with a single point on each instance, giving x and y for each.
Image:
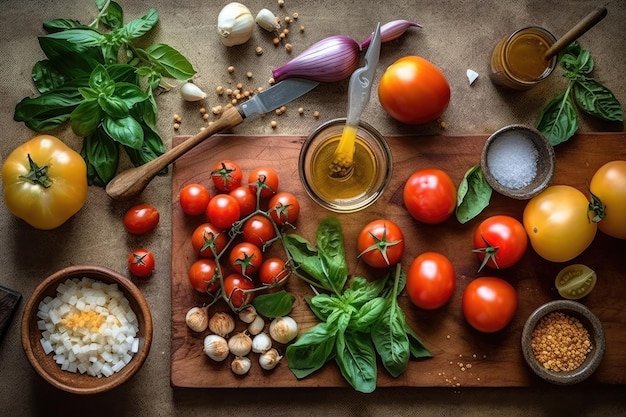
(390, 339)
(331, 251)
(46, 77)
(101, 81)
(140, 26)
(306, 258)
(417, 348)
(151, 148)
(88, 93)
(368, 314)
(323, 305)
(58, 25)
(356, 358)
(101, 154)
(79, 39)
(576, 60)
(170, 62)
(123, 73)
(558, 120)
(361, 290)
(86, 117)
(113, 18)
(311, 350)
(130, 94)
(473, 195)
(597, 100)
(126, 131)
(113, 106)
(275, 304)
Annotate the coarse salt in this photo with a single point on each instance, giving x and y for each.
(512, 160)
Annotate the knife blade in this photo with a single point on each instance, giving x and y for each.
(134, 180)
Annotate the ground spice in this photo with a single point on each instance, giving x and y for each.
(560, 342)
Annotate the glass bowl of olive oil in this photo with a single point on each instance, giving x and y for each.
(370, 174)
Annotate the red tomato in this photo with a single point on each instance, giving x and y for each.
(222, 211)
(430, 195)
(430, 280)
(236, 288)
(259, 230)
(413, 90)
(193, 199)
(141, 263)
(206, 236)
(380, 243)
(141, 219)
(245, 198)
(284, 208)
(226, 175)
(489, 304)
(273, 271)
(245, 258)
(201, 273)
(500, 241)
(265, 179)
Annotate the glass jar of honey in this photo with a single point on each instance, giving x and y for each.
(518, 61)
(370, 175)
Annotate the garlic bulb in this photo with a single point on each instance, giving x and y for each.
(269, 359)
(235, 24)
(191, 92)
(240, 365)
(222, 324)
(261, 343)
(240, 344)
(283, 329)
(267, 20)
(257, 325)
(197, 319)
(216, 347)
(248, 314)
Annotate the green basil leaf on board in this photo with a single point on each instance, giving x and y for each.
(311, 351)
(473, 195)
(332, 253)
(274, 304)
(356, 358)
(597, 100)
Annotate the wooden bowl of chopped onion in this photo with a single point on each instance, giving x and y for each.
(518, 161)
(563, 342)
(86, 329)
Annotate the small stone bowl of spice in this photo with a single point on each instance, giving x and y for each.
(518, 161)
(563, 342)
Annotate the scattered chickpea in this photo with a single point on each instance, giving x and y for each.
(278, 112)
(229, 92)
(239, 86)
(231, 69)
(233, 101)
(295, 15)
(286, 31)
(276, 41)
(176, 126)
(300, 110)
(287, 19)
(281, 3)
(271, 81)
(282, 35)
(202, 110)
(249, 74)
(219, 90)
(259, 50)
(288, 47)
(316, 114)
(246, 94)
(273, 124)
(177, 118)
(205, 116)
(283, 109)
(301, 28)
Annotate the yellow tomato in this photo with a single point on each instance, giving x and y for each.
(609, 185)
(45, 182)
(559, 223)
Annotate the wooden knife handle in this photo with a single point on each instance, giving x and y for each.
(577, 31)
(133, 181)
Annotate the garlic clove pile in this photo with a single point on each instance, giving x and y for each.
(240, 344)
(197, 319)
(221, 324)
(216, 347)
(235, 24)
(240, 365)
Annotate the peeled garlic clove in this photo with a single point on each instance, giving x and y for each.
(240, 344)
(191, 92)
(240, 365)
(270, 359)
(283, 329)
(261, 343)
(471, 76)
(235, 24)
(267, 20)
(197, 319)
(216, 347)
(222, 324)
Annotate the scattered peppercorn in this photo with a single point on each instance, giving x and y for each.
(231, 69)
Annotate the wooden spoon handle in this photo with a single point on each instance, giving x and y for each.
(577, 31)
(134, 180)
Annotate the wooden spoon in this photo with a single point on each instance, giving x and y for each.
(576, 32)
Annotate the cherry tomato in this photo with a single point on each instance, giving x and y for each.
(245, 258)
(246, 200)
(430, 195)
(380, 243)
(222, 211)
(273, 271)
(265, 179)
(258, 230)
(609, 185)
(226, 175)
(206, 236)
(500, 241)
(489, 304)
(193, 199)
(412, 90)
(141, 219)
(430, 280)
(559, 223)
(141, 263)
(235, 287)
(201, 273)
(284, 208)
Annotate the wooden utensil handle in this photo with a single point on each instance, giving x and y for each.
(577, 31)
(134, 180)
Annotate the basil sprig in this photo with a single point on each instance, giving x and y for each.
(99, 81)
(357, 323)
(558, 121)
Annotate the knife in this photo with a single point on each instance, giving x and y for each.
(134, 180)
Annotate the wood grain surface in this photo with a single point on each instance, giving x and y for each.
(462, 356)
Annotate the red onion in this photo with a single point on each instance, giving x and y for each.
(390, 31)
(331, 59)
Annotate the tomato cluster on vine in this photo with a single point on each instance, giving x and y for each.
(242, 220)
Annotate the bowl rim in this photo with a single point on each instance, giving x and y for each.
(592, 324)
(34, 352)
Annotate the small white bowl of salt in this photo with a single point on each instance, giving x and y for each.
(518, 161)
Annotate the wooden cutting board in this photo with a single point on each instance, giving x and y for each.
(462, 356)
